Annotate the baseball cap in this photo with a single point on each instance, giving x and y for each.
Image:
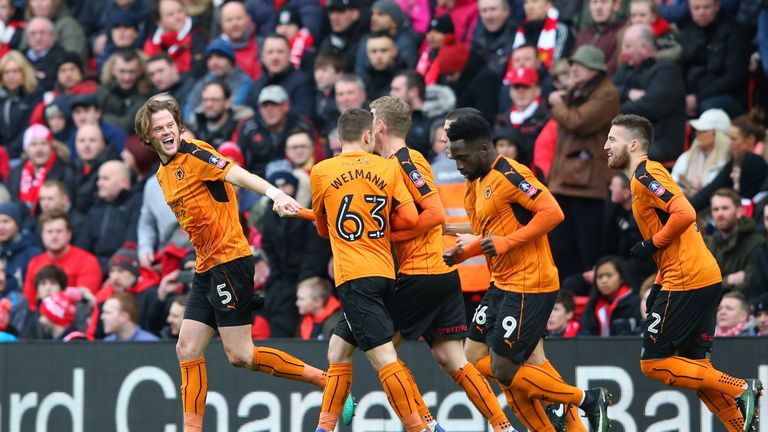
(523, 76)
(712, 119)
(273, 93)
(340, 5)
(442, 24)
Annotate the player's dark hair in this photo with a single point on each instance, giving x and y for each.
(222, 85)
(473, 129)
(53, 273)
(730, 194)
(353, 123)
(414, 79)
(638, 127)
(328, 58)
(459, 112)
(565, 298)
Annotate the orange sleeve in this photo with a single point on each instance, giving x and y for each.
(474, 249)
(406, 216)
(306, 214)
(681, 216)
(322, 226)
(432, 215)
(546, 216)
(315, 180)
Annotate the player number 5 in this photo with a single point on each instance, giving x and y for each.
(226, 297)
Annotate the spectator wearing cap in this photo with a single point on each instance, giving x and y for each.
(527, 114)
(113, 219)
(262, 136)
(526, 56)
(760, 312)
(85, 109)
(716, 52)
(123, 34)
(653, 89)
(275, 58)
(17, 246)
(70, 81)
(216, 119)
(57, 314)
(68, 31)
(346, 31)
(121, 317)
(384, 62)
(220, 60)
(178, 35)
(237, 28)
(409, 86)
(99, 35)
(328, 69)
(542, 26)
(265, 14)
(708, 154)
(387, 17)
(41, 164)
(464, 15)
(493, 36)
(604, 31)
(439, 33)
(42, 49)
(294, 252)
(58, 119)
(300, 39)
(579, 172)
(165, 77)
(126, 276)
(124, 88)
(734, 241)
(19, 92)
(80, 267)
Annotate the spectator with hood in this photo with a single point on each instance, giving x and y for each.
(17, 247)
(345, 33)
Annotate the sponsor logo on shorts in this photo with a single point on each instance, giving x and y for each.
(657, 188)
(217, 161)
(527, 188)
(416, 178)
(452, 329)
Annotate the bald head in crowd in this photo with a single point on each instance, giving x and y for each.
(40, 34)
(235, 21)
(89, 143)
(114, 178)
(638, 44)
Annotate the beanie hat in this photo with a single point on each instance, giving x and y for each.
(11, 210)
(232, 151)
(222, 47)
(280, 178)
(36, 132)
(143, 158)
(59, 307)
(127, 259)
(288, 15)
(442, 24)
(452, 58)
(392, 9)
(5, 313)
(70, 57)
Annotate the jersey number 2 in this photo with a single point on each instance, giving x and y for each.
(346, 215)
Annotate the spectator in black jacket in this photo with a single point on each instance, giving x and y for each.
(409, 86)
(113, 219)
(328, 69)
(216, 119)
(264, 14)
(165, 77)
(261, 137)
(653, 89)
(493, 36)
(18, 97)
(716, 53)
(613, 308)
(346, 31)
(25, 181)
(295, 252)
(92, 151)
(44, 52)
(275, 57)
(384, 62)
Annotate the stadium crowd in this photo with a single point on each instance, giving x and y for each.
(90, 249)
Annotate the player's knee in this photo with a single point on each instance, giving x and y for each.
(238, 359)
(504, 373)
(186, 351)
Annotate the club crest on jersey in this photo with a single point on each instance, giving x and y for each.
(179, 174)
(217, 161)
(656, 188)
(416, 178)
(527, 188)
(487, 192)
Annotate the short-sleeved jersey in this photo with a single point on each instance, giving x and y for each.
(355, 192)
(204, 204)
(500, 203)
(686, 263)
(422, 255)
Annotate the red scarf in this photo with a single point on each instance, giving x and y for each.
(733, 331)
(32, 179)
(660, 26)
(547, 38)
(301, 42)
(308, 322)
(624, 291)
(427, 67)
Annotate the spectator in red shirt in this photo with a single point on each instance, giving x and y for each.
(177, 36)
(82, 267)
(319, 308)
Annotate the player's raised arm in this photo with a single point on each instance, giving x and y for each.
(284, 205)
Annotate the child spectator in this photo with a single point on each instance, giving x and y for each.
(561, 322)
(613, 309)
(57, 313)
(319, 308)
